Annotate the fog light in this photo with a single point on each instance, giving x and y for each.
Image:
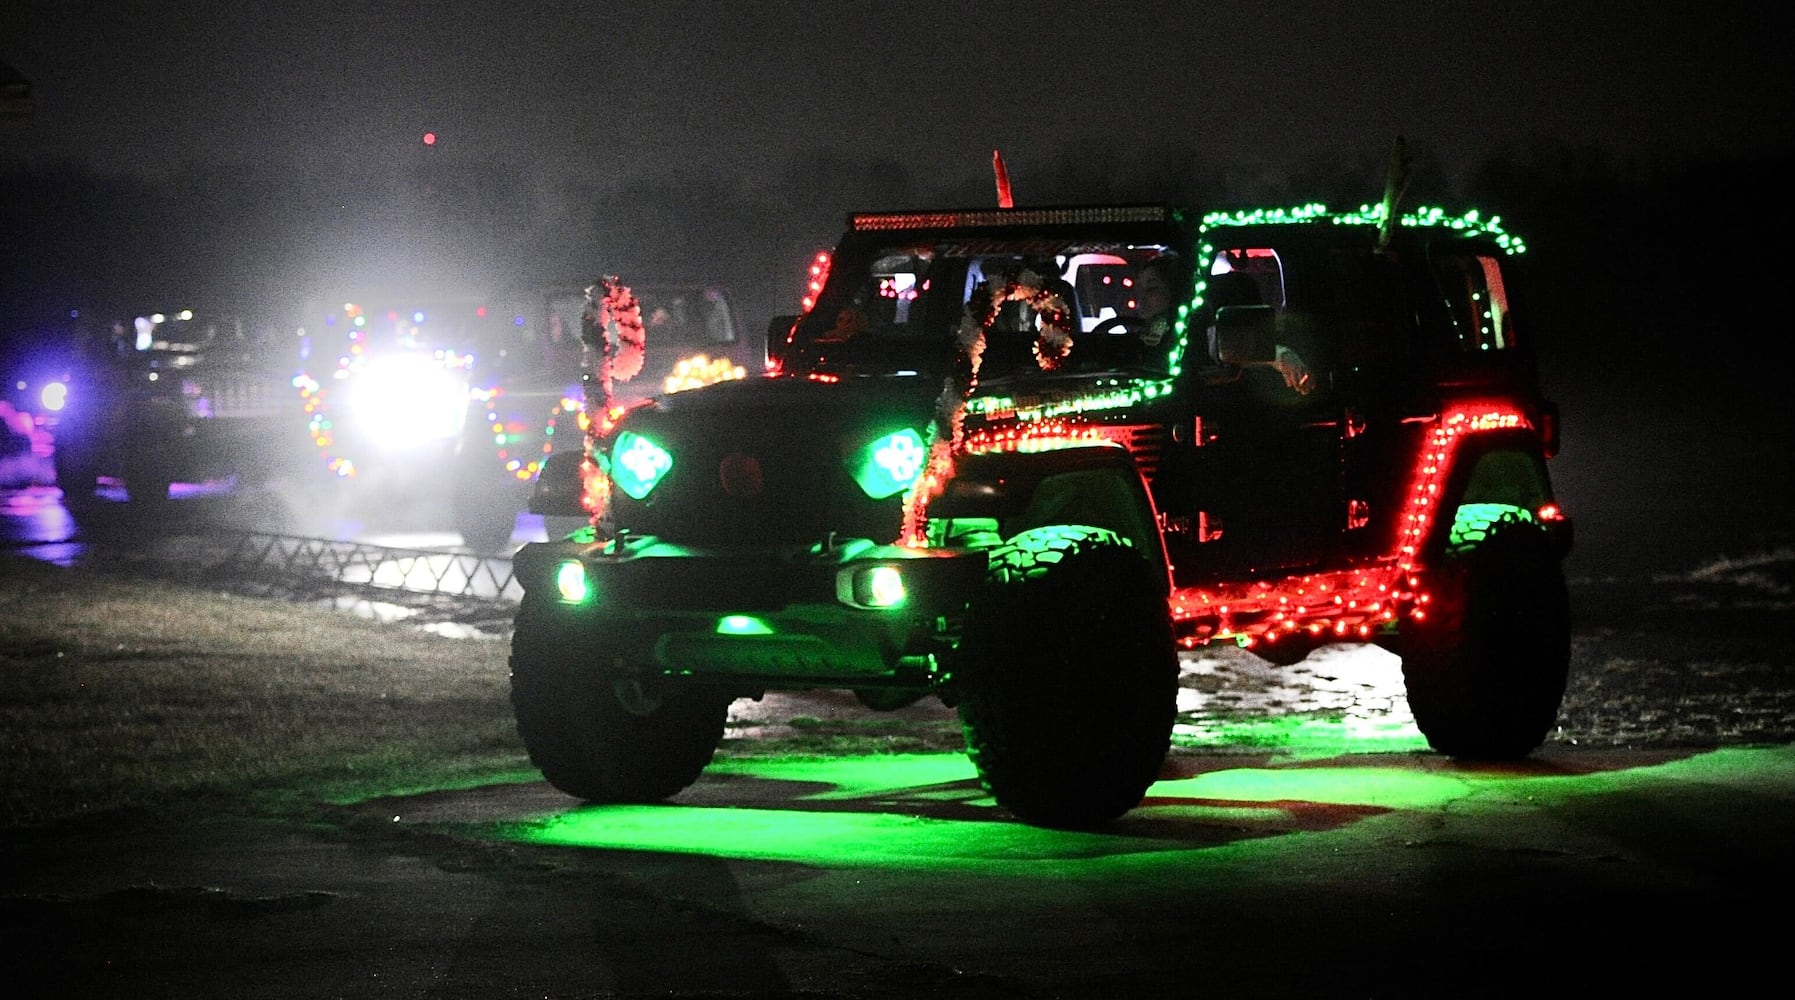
(571, 583)
(878, 587)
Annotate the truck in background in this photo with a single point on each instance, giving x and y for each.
(440, 411)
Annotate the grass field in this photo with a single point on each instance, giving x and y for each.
(121, 694)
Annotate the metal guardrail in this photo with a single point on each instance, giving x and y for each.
(325, 561)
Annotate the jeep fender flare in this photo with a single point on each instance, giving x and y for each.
(1096, 484)
(1496, 467)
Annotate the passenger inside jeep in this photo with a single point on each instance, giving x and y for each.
(900, 307)
(1241, 277)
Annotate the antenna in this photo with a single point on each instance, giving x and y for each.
(1396, 183)
(1003, 181)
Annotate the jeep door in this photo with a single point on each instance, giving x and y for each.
(1259, 487)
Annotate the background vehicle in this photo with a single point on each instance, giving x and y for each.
(528, 395)
(988, 471)
(35, 368)
(384, 387)
(169, 398)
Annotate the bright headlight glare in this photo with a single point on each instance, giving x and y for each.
(54, 396)
(406, 400)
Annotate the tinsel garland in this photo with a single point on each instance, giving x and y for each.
(615, 343)
(947, 431)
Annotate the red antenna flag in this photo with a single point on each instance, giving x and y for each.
(1003, 181)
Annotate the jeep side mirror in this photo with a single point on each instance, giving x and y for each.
(559, 486)
(1245, 335)
(779, 340)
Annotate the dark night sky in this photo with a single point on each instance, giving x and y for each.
(738, 87)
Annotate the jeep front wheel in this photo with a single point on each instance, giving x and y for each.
(1067, 677)
(1486, 668)
(585, 739)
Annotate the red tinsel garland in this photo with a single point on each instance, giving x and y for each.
(947, 433)
(613, 335)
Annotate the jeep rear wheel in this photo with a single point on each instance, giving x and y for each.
(579, 733)
(1067, 677)
(1486, 669)
(79, 480)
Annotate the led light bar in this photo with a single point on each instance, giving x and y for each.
(876, 221)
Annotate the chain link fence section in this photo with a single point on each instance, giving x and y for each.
(324, 562)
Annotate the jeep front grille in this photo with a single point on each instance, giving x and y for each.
(732, 485)
(231, 397)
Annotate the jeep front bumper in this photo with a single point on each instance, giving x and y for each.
(835, 614)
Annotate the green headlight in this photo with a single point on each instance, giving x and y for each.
(637, 464)
(888, 465)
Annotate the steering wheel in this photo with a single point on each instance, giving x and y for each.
(1118, 325)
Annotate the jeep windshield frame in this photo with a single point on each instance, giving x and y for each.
(899, 284)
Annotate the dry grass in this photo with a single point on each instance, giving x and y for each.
(125, 694)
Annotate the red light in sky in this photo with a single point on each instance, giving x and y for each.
(429, 138)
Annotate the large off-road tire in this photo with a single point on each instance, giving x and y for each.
(485, 507)
(486, 523)
(147, 491)
(1067, 677)
(79, 480)
(581, 736)
(1486, 668)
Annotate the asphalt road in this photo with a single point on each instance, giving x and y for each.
(1378, 875)
(1302, 842)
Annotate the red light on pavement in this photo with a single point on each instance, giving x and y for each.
(429, 138)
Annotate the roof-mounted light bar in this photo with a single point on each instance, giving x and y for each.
(876, 221)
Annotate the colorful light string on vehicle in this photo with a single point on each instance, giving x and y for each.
(520, 448)
(1349, 604)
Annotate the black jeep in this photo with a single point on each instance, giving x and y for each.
(172, 398)
(1016, 458)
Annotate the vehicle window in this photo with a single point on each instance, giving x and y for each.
(1476, 300)
(897, 306)
(686, 317)
(671, 317)
(1262, 264)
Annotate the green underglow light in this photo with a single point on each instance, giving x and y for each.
(571, 582)
(638, 464)
(1302, 736)
(925, 813)
(887, 466)
(743, 625)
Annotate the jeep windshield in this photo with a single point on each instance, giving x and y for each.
(899, 285)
